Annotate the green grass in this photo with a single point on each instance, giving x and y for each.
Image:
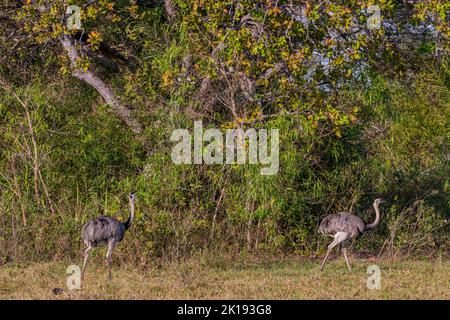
(288, 279)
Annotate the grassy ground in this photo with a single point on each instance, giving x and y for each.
(288, 279)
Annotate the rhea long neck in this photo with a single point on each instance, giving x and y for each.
(377, 217)
(130, 219)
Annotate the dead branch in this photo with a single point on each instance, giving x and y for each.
(170, 9)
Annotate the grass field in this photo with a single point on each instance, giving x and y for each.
(287, 279)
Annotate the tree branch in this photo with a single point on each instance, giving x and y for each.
(102, 88)
(170, 9)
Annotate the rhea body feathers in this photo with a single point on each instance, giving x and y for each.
(342, 222)
(101, 230)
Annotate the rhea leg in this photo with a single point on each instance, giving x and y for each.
(330, 248)
(111, 246)
(86, 257)
(344, 251)
(338, 238)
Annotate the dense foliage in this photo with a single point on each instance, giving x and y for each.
(362, 113)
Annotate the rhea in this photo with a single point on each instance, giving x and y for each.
(105, 231)
(343, 226)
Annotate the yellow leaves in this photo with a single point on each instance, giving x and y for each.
(195, 7)
(94, 39)
(288, 24)
(333, 119)
(257, 114)
(109, 6)
(338, 61)
(40, 39)
(307, 8)
(93, 35)
(353, 116)
(312, 119)
(54, 11)
(115, 18)
(274, 11)
(295, 60)
(228, 125)
(329, 42)
(64, 70)
(246, 64)
(356, 55)
(283, 81)
(167, 80)
(133, 9)
(83, 64)
(21, 15)
(57, 30)
(91, 12)
(263, 82)
(284, 55)
(27, 27)
(254, 116)
(349, 73)
(348, 24)
(387, 4)
(332, 115)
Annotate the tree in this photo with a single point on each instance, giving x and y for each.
(271, 56)
(279, 57)
(42, 27)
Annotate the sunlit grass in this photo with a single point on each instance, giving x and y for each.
(289, 279)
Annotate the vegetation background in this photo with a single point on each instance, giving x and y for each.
(362, 113)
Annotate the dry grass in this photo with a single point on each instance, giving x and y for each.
(289, 279)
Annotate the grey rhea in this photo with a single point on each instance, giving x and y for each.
(105, 231)
(343, 226)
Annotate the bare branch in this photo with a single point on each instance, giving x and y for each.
(170, 9)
